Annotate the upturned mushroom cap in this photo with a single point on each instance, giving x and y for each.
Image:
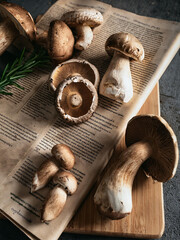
(125, 43)
(162, 165)
(66, 180)
(74, 67)
(21, 18)
(64, 155)
(76, 99)
(60, 41)
(85, 16)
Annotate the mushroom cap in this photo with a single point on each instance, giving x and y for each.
(83, 16)
(21, 18)
(60, 41)
(162, 165)
(125, 43)
(64, 155)
(74, 67)
(66, 180)
(87, 98)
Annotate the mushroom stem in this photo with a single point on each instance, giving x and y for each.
(85, 37)
(7, 34)
(75, 100)
(117, 81)
(114, 194)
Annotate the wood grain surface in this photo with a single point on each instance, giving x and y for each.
(147, 217)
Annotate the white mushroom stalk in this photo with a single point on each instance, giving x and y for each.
(85, 37)
(117, 81)
(114, 194)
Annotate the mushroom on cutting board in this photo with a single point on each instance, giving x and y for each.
(74, 67)
(83, 20)
(151, 143)
(66, 184)
(60, 41)
(117, 81)
(76, 99)
(15, 21)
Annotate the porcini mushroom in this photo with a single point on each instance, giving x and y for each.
(60, 41)
(64, 155)
(151, 143)
(83, 20)
(74, 67)
(117, 81)
(15, 21)
(44, 174)
(76, 99)
(66, 184)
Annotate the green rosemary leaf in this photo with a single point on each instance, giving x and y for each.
(21, 67)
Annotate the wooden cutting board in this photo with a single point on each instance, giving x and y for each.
(147, 217)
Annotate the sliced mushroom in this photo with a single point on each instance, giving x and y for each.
(15, 20)
(151, 143)
(74, 67)
(76, 99)
(83, 20)
(66, 184)
(117, 81)
(60, 41)
(64, 155)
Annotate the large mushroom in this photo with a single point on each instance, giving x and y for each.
(117, 81)
(74, 67)
(66, 184)
(76, 99)
(60, 41)
(83, 20)
(15, 21)
(151, 143)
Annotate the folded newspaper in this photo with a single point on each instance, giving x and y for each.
(30, 125)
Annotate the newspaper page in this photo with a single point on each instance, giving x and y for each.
(31, 125)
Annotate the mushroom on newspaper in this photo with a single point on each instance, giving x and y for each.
(76, 99)
(83, 20)
(117, 81)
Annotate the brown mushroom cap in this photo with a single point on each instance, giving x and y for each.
(60, 41)
(64, 155)
(162, 165)
(66, 180)
(125, 43)
(76, 99)
(85, 16)
(21, 18)
(74, 67)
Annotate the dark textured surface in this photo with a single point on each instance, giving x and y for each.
(170, 110)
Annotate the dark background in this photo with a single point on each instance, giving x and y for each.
(169, 103)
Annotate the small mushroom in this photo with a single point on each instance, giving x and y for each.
(151, 143)
(74, 67)
(60, 41)
(117, 81)
(64, 155)
(76, 99)
(15, 21)
(44, 174)
(66, 184)
(83, 20)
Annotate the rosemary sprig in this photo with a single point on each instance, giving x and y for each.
(21, 67)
